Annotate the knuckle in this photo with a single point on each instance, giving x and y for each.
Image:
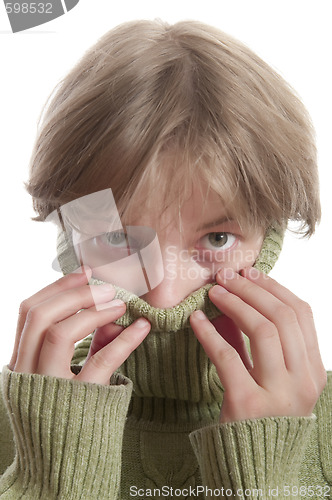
(285, 313)
(311, 384)
(310, 393)
(209, 329)
(100, 361)
(105, 359)
(81, 293)
(308, 388)
(227, 354)
(24, 307)
(273, 283)
(250, 288)
(56, 334)
(62, 283)
(33, 315)
(79, 296)
(305, 309)
(127, 343)
(250, 400)
(266, 330)
(57, 285)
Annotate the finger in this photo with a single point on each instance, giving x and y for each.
(281, 315)
(232, 372)
(226, 327)
(59, 307)
(265, 343)
(79, 277)
(103, 336)
(302, 310)
(59, 343)
(103, 363)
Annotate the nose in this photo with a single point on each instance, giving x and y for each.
(182, 276)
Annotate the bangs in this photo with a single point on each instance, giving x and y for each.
(169, 182)
(153, 111)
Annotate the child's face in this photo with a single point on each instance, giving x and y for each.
(187, 257)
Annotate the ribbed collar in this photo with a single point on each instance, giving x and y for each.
(173, 378)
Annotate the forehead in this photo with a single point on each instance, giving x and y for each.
(202, 205)
(198, 206)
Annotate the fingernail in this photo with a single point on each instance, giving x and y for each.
(105, 289)
(199, 315)
(141, 323)
(113, 304)
(219, 290)
(117, 303)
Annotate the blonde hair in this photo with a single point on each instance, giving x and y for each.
(153, 109)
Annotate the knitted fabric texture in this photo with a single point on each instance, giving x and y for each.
(156, 426)
(171, 349)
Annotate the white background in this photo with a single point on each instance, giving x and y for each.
(294, 36)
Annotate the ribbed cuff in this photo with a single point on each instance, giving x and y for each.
(68, 436)
(251, 455)
(323, 410)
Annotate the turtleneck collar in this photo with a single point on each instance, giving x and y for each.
(171, 374)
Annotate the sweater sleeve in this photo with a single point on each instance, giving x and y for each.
(275, 457)
(67, 437)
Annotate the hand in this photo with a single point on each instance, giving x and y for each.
(52, 320)
(287, 375)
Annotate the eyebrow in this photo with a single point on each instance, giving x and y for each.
(217, 222)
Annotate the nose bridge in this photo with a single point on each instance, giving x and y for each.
(182, 275)
(176, 261)
(184, 263)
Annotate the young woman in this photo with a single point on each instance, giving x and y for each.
(183, 137)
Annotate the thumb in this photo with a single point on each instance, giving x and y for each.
(103, 336)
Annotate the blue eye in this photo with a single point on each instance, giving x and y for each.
(120, 240)
(115, 238)
(217, 241)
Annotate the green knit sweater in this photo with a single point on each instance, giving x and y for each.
(154, 431)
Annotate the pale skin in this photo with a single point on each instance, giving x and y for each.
(286, 375)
